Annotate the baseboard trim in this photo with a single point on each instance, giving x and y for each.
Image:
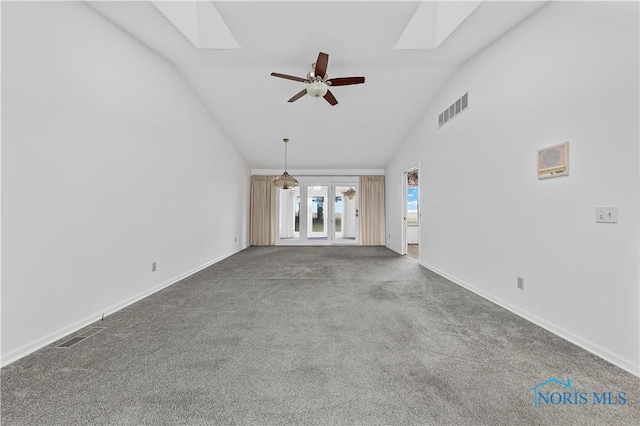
(78, 325)
(559, 331)
(394, 250)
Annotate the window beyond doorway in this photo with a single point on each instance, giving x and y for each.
(412, 214)
(412, 206)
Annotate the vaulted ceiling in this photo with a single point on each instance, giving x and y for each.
(406, 50)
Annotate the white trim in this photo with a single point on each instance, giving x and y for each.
(403, 214)
(394, 250)
(1, 186)
(558, 331)
(1, 183)
(320, 172)
(76, 326)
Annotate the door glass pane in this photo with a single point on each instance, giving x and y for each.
(345, 213)
(289, 213)
(316, 212)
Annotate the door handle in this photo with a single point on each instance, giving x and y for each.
(356, 212)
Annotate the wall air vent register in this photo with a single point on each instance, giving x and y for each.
(456, 108)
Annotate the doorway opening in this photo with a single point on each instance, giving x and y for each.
(411, 213)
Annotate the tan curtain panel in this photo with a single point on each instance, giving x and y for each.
(263, 211)
(372, 211)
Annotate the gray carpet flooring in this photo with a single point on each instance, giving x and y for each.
(314, 335)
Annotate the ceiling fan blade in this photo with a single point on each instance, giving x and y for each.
(290, 77)
(330, 98)
(345, 81)
(321, 65)
(298, 95)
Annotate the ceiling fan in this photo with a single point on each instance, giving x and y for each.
(319, 81)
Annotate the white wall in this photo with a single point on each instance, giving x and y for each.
(568, 73)
(109, 163)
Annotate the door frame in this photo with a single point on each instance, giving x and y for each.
(356, 186)
(304, 183)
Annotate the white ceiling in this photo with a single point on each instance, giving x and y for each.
(370, 121)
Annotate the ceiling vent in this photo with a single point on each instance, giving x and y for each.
(456, 108)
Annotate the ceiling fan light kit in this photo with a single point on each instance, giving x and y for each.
(318, 81)
(317, 89)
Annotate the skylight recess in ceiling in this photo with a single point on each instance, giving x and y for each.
(200, 22)
(433, 22)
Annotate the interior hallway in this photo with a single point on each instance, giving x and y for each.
(413, 251)
(313, 335)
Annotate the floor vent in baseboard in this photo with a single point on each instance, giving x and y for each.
(80, 337)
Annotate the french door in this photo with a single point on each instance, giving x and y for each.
(318, 213)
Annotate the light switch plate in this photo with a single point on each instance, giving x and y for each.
(607, 214)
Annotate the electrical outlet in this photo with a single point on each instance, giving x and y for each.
(521, 283)
(235, 239)
(154, 266)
